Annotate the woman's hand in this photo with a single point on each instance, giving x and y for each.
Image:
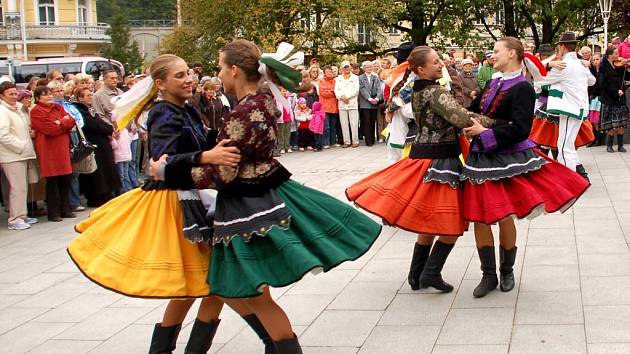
(620, 93)
(388, 116)
(557, 65)
(221, 155)
(156, 166)
(475, 129)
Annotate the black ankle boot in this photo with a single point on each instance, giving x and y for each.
(620, 147)
(288, 346)
(253, 321)
(582, 172)
(431, 275)
(609, 143)
(489, 280)
(201, 336)
(164, 339)
(419, 259)
(507, 268)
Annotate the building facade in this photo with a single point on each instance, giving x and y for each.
(33, 29)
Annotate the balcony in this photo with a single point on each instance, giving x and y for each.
(35, 32)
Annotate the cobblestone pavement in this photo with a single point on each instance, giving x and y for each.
(572, 293)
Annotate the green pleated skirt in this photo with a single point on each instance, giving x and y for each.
(323, 233)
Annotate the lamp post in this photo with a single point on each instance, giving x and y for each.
(604, 7)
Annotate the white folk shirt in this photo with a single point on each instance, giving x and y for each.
(568, 88)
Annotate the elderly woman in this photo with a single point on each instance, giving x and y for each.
(100, 186)
(468, 80)
(82, 81)
(61, 95)
(17, 156)
(212, 109)
(52, 127)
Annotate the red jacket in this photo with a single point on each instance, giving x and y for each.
(52, 140)
(327, 95)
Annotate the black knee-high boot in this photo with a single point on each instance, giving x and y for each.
(419, 259)
(620, 147)
(288, 346)
(201, 337)
(609, 143)
(253, 321)
(507, 257)
(164, 339)
(489, 280)
(432, 273)
(582, 172)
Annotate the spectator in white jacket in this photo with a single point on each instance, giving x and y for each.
(347, 92)
(17, 156)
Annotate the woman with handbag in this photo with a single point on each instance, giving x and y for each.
(52, 125)
(99, 186)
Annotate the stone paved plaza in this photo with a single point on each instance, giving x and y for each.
(572, 294)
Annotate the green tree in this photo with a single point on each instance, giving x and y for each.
(319, 27)
(441, 19)
(136, 9)
(122, 47)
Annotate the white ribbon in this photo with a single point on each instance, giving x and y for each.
(284, 49)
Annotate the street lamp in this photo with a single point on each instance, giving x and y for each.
(604, 7)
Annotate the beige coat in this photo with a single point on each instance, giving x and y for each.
(15, 135)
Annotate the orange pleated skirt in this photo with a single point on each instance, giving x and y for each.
(545, 133)
(399, 195)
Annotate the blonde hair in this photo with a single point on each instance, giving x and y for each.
(55, 85)
(68, 88)
(161, 65)
(82, 78)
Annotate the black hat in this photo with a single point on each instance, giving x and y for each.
(568, 37)
(403, 52)
(545, 49)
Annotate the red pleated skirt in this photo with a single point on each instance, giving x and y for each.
(402, 199)
(545, 133)
(551, 188)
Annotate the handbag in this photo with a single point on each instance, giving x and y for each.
(82, 149)
(86, 166)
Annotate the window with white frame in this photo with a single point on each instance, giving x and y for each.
(46, 9)
(1, 15)
(82, 12)
(363, 34)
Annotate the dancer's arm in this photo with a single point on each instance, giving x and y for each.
(446, 106)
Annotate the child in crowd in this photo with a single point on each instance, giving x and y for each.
(303, 117)
(317, 124)
(284, 127)
(121, 145)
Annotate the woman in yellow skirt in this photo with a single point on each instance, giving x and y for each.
(152, 242)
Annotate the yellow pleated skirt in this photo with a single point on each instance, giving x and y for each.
(134, 245)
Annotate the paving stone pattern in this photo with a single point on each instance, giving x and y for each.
(572, 293)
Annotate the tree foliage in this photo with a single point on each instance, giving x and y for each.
(136, 9)
(319, 27)
(328, 27)
(122, 47)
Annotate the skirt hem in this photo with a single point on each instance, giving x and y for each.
(262, 285)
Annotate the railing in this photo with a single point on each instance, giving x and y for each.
(156, 23)
(71, 32)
